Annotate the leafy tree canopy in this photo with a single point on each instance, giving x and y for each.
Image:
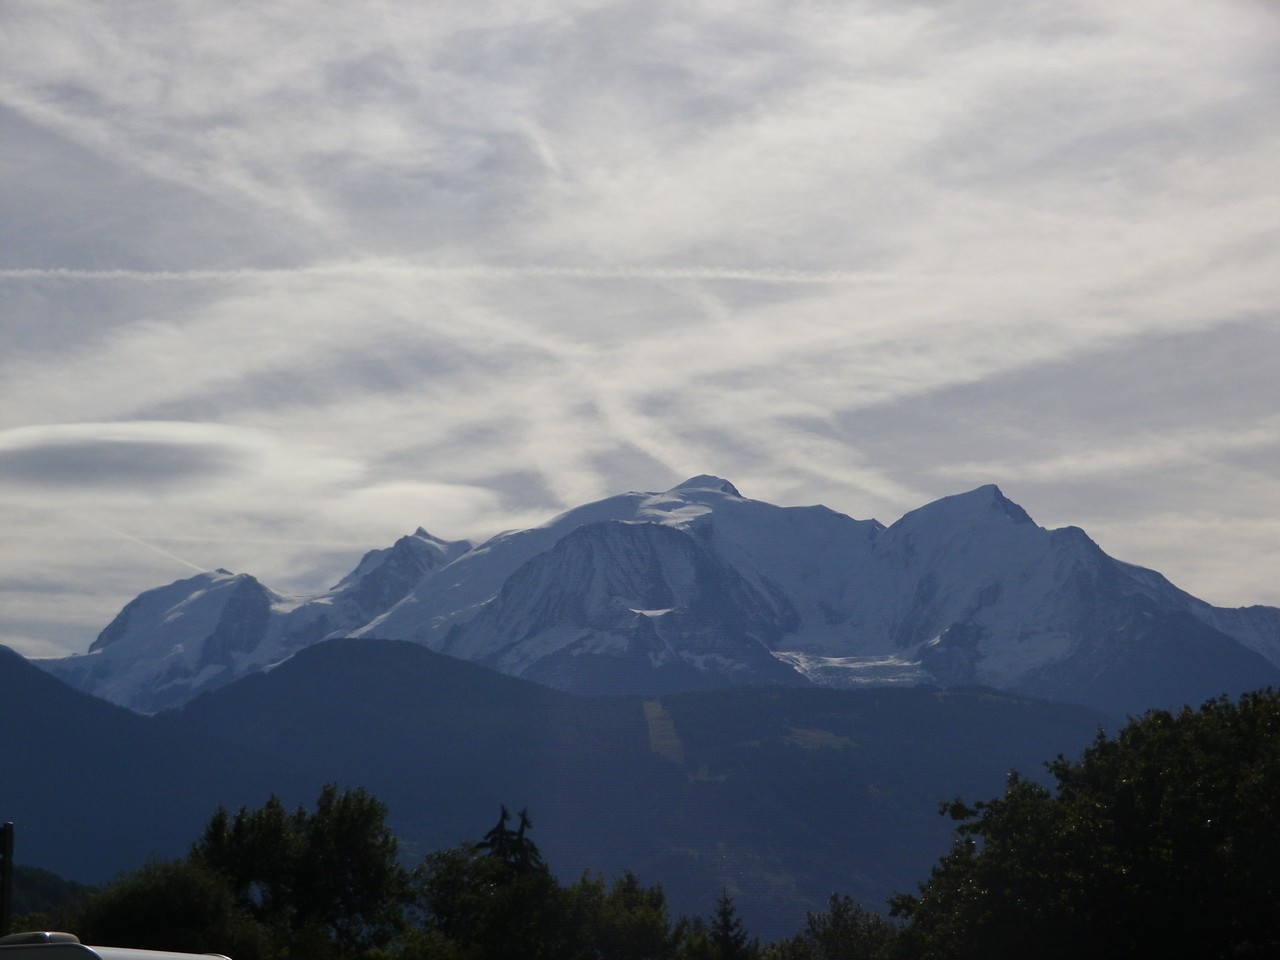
(182, 905)
(328, 877)
(846, 931)
(1164, 841)
(497, 899)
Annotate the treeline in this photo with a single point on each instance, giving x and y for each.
(327, 884)
(1163, 841)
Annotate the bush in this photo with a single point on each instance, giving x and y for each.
(178, 906)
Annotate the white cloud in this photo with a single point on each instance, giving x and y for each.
(337, 274)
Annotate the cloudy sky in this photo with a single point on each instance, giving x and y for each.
(280, 282)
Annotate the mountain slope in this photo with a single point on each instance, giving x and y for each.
(92, 787)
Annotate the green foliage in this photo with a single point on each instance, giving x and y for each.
(349, 880)
(484, 905)
(180, 906)
(330, 879)
(42, 900)
(727, 935)
(1164, 841)
(622, 921)
(847, 931)
(512, 847)
(269, 884)
(256, 853)
(497, 899)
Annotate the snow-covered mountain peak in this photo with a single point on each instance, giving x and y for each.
(1006, 506)
(686, 502)
(706, 482)
(418, 552)
(169, 643)
(448, 550)
(981, 507)
(161, 603)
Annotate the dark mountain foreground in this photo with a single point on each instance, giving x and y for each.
(781, 795)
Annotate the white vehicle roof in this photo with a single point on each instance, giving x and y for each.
(47, 945)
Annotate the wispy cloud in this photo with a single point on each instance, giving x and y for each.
(339, 273)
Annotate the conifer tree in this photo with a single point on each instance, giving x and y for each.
(512, 847)
(494, 898)
(727, 933)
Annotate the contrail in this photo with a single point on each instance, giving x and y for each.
(774, 275)
(143, 543)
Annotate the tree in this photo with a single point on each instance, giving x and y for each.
(349, 880)
(1164, 841)
(256, 852)
(512, 847)
(847, 931)
(622, 921)
(495, 898)
(180, 906)
(726, 932)
(330, 879)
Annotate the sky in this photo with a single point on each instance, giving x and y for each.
(283, 281)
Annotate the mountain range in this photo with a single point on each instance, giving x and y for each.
(698, 587)
(712, 691)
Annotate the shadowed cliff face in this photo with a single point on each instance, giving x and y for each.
(631, 606)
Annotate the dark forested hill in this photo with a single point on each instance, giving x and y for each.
(782, 795)
(92, 787)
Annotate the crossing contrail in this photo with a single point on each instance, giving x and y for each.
(142, 543)
(774, 275)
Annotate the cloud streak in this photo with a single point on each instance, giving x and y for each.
(280, 286)
(168, 555)
(769, 275)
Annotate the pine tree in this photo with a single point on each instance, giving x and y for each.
(512, 847)
(727, 933)
(495, 898)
